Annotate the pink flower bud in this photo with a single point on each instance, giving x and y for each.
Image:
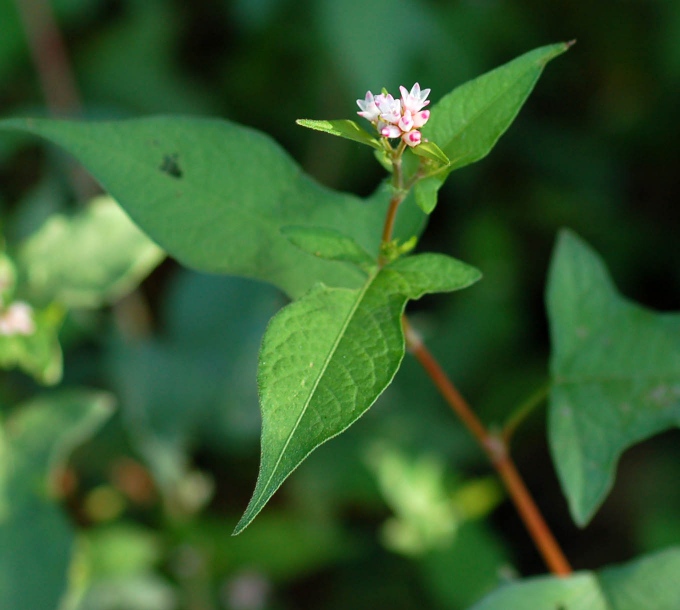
(412, 138)
(420, 118)
(406, 121)
(387, 130)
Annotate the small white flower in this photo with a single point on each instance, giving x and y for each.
(369, 110)
(414, 100)
(17, 319)
(390, 109)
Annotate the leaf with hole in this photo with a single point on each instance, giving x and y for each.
(215, 195)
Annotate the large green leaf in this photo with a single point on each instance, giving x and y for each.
(327, 357)
(214, 195)
(615, 374)
(86, 260)
(37, 538)
(650, 583)
(467, 123)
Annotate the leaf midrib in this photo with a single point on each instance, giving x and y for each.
(322, 371)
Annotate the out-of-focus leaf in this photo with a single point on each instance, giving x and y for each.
(615, 374)
(86, 260)
(37, 353)
(327, 357)
(36, 536)
(649, 583)
(215, 196)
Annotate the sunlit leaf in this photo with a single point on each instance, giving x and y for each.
(344, 128)
(615, 374)
(86, 260)
(327, 357)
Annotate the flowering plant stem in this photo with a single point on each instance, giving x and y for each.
(496, 446)
(496, 449)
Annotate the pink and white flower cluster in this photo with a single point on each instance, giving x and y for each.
(400, 118)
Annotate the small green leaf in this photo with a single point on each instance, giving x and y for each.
(431, 151)
(344, 128)
(87, 260)
(648, 583)
(426, 191)
(215, 195)
(329, 244)
(615, 374)
(326, 358)
(37, 538)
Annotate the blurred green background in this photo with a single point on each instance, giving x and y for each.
(400, 511)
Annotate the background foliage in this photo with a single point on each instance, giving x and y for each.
(157, 491)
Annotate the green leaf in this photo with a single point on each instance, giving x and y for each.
(214, 195)
(87, 260)
(344, 128)
(326, 358)
(615, 374)
(467, 123)
(426, 193)
(431, 151)
(37, 538)
(38, 353)
(649, 583)
(329, 244)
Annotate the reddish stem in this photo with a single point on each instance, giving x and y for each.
(496, 449)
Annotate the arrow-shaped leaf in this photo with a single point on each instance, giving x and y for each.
(615, 374)
(326, 358)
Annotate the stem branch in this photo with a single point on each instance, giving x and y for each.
(496, 449)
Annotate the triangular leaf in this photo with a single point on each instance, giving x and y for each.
(328, 244)
(214, 195)
(326, 358)
(615, 374)
(344, 128)
(649, 583)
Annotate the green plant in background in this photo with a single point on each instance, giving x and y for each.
(226, 199)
